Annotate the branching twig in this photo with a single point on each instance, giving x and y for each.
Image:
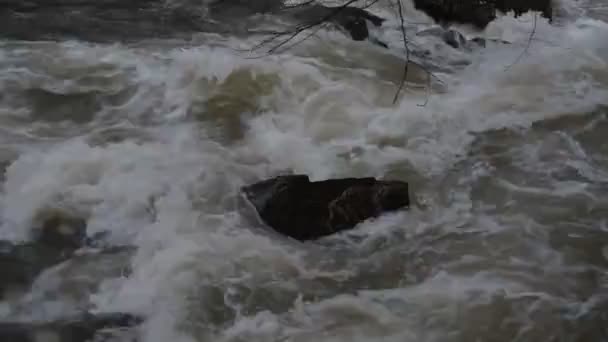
(288, 36)
(321, 26)
(274, 50)
(527, 44)
(292, 34)
(303, 28)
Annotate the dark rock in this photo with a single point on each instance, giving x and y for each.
(59, 229)
(77, 329)
(519, 7)
(454, 39)
(304, 210)
(451, 37)
(348, 14)
(355, 21)
(56, 235)
(479, 41)
(356, 26)
(479, 13)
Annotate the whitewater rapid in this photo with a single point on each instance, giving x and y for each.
(151, 141)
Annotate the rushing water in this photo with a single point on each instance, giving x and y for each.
(150, 141)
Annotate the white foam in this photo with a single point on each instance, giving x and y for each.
(171, 197)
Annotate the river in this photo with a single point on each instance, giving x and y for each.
(151, 140)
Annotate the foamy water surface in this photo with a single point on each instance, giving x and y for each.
(151, 142)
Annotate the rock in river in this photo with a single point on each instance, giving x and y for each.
(76, 329)
(55, 236)
(59, 229)
(451, 37)
(304, 210)
(479, 13)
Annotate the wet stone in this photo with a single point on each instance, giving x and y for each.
(454, 39)
(305, 210)
(451, 37)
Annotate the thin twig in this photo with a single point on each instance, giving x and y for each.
(321, 26)
(407, 52)
(292, 34)
(306, 3)
(369, 5)
(302, 28)
(320, 23)
(271, 52)
(527, 44)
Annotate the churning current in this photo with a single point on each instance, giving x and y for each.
(148, 141)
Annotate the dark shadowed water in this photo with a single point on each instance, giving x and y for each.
(150, 141)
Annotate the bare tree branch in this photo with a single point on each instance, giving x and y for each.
(407, 51)
(287, 47)
(303, 4)
(282, 40)
(292, 34)
(521, 55)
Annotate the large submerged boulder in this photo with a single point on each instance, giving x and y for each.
(55, 236)
(304, 210)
